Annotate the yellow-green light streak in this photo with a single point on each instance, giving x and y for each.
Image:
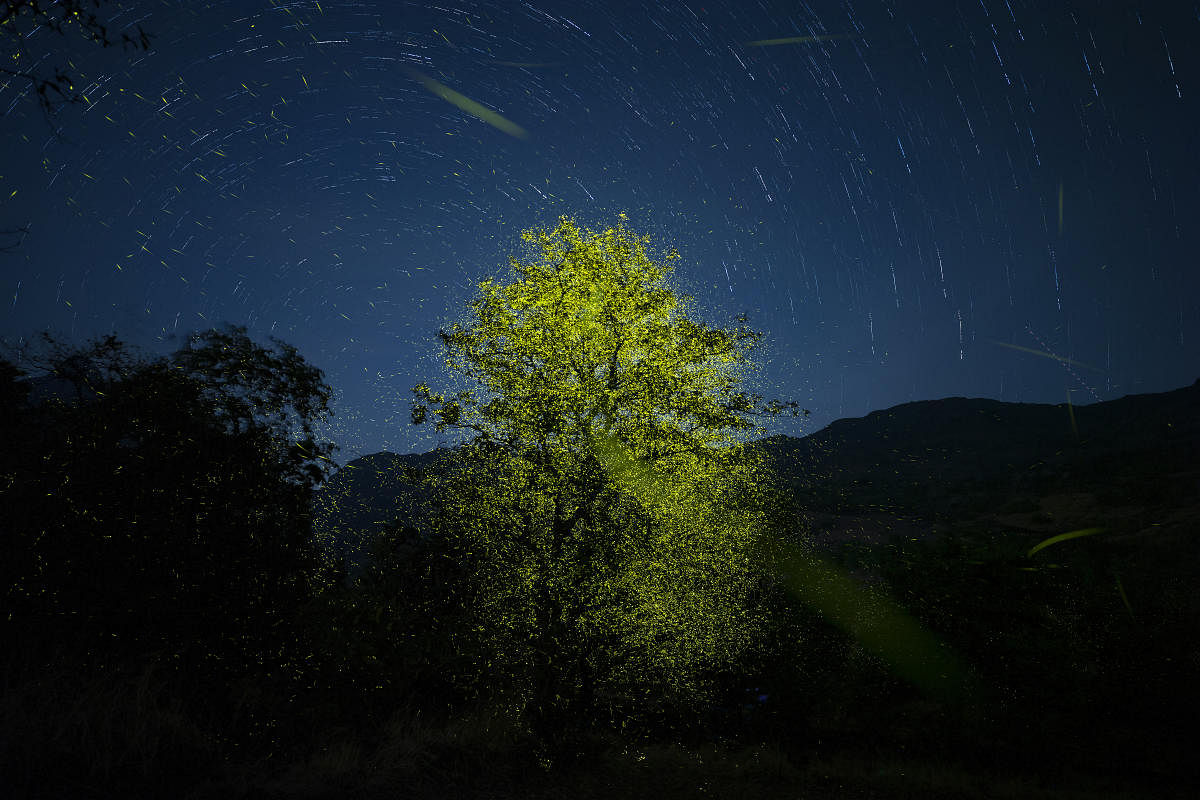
(794, 40)
(1072, 362)
(1124, 597)
(1062, 537)
(876, 622)
(468, 105)
(880, 625)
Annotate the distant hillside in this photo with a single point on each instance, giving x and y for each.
(905, 468)
(942, 457)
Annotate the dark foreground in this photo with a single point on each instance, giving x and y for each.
(1083, 689)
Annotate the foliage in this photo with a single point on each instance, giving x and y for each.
(257, 391)
(605, 507)
(399, 633)
(20, 19)
(150, 535)
(161, 512)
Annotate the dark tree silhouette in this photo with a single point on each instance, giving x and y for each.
(159, 509)
(54, 86)
(404, 623)
(20, 18)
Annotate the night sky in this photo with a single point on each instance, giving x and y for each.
(912, 200)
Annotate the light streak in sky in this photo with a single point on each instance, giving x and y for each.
(468, 105)
(1044, 355)
(795, 40)
(1060, 208)
(1066, 362)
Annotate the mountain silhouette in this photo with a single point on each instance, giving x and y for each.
(1131, 465)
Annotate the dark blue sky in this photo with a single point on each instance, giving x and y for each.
(916, 200)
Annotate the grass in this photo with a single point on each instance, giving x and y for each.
(121, 734)
(90, 736)
(487, 759)
(1066, 680)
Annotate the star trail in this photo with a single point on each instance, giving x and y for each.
(911, 200)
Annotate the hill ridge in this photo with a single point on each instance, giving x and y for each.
(926, 460)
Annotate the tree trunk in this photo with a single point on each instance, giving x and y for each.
(554, 706)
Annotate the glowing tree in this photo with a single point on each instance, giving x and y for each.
(605, 504)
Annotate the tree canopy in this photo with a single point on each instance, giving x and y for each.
(20, 19)
(161, 506)
(605, 502)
